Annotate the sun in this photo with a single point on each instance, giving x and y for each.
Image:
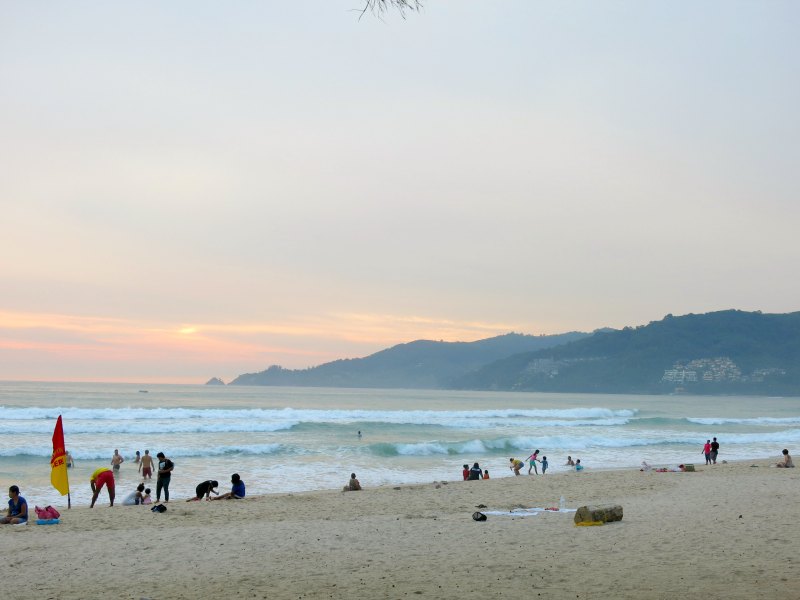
(187, 330)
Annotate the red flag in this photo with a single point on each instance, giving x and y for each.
(58, 463)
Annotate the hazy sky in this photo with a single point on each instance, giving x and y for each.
(190, 189)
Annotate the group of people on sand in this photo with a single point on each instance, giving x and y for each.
(104, 477)
(711, 451)
(474, 473)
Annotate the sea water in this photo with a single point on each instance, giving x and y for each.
(295, 439)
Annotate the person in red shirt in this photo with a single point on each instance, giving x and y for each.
(465, 472)
(707, 451)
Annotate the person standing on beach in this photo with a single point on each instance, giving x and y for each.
(17, 508)
(102, 477)
(707, 451)
(165, 467)
(544, 464)
(146, 465)
(714, 451)
(116, 461)
(532, 462)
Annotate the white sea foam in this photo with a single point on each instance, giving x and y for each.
(751, 421)
(100, 454)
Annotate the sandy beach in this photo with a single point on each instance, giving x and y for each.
(728, 531)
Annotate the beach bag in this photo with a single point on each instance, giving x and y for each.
(48, 512)
(159, 508)
(478, 516)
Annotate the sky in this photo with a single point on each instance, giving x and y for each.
(192, 189)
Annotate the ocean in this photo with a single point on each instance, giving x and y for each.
(297, 439)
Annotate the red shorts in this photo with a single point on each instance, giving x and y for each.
(147, 472)
(105, 478)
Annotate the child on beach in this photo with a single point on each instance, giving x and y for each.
(578, 465)
(146, 499)
(465, 472)
(486, 474)
(787, 461)
(544, 464)
(532, 460)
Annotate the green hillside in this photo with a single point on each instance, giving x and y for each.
(420, 364)
(721, 352)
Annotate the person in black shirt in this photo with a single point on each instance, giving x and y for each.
(205, 489)
(165, 467)
(475, 472)
(714, 450)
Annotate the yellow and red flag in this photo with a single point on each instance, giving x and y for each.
(58, 464)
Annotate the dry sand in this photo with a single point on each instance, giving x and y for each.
(728, 531)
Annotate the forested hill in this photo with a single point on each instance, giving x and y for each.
(419, 364)
(720, 353)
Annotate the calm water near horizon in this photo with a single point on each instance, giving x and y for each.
(297, 439)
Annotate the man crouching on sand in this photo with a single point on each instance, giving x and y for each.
(237, 489)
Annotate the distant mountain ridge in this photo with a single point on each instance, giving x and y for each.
(724, 352)
(422, 364)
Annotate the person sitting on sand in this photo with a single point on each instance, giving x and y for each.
(486, 473)
(134, 498)
(570, 462)
(465, 472)
(475, 473)
(17, 508)
(237, 489)
(354, 485)
(578, 465)
(787, 461)
(146, 499)
(102, 477)
(205, 489)
(516, 465)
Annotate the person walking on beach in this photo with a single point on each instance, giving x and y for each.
(146, 465)
(544, 464)
(102, 477)
(532, 459)
(516, 465)
(707, 451)
(714, 450)
(116, 461)
(17, 508)
(165, 467)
